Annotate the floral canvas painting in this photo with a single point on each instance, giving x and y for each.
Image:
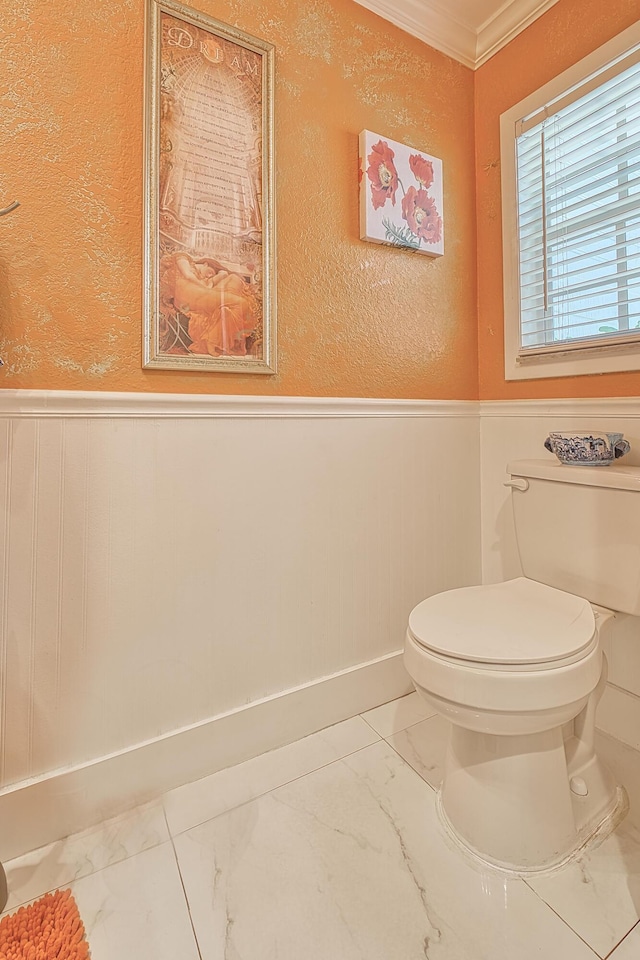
(400, 195)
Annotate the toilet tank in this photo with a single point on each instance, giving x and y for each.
(578, 529)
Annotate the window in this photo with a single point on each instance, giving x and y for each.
(571, 219)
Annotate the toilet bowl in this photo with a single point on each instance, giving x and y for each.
(518, 669)
(511, 665)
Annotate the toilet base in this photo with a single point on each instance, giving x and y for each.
(602, 830)
(510, 801)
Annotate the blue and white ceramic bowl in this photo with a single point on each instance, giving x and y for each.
(593, 449)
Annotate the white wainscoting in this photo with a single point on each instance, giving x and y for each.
(188, 581)
(513, 430)
(170, 562)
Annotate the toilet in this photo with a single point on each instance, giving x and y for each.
(518, 668)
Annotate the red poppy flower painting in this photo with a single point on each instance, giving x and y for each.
(422, 169)
(383, 175)
(395, 171)
(419, 210)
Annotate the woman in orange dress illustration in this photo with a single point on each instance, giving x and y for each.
(219, 304)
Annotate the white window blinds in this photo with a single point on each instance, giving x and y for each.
(578, 214)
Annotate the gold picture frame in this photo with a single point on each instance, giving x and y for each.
(209, 257)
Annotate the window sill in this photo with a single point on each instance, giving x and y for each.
(604, 359)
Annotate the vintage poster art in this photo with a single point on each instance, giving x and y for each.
(400, 195)
(209, 231)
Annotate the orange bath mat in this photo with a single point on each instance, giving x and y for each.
(49, 929)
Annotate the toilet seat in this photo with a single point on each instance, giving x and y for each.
(516, 626)
(518, 646)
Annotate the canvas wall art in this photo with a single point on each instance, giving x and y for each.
(400, 195)
(209, 286)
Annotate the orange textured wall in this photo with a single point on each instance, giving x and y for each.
(355, 319)
(565, 34)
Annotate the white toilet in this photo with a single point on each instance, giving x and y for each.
(518, 669)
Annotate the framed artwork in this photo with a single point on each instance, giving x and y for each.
(209, 286)
(400, 195)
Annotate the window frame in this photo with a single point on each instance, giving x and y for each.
(579, 358)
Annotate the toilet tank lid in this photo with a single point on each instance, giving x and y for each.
(517, 622)
(614, 476)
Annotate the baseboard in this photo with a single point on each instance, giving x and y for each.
(36, 812)
(619, 715)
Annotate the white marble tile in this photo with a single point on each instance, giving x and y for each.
(350, 862)
(423, 746)
(398, 714)
(598, 895)
(196, 802)
(629, 949)
(59, 863)
(136, 910)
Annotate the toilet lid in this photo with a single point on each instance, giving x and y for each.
(517, 622)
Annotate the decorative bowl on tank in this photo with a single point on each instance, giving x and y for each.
(595, 449)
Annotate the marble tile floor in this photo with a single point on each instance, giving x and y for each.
(330, 849)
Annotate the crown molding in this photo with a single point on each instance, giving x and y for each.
(430, 24)
(512, 18)
(469, 44)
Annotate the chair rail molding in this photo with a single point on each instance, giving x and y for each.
(47, 404)
(592, 407)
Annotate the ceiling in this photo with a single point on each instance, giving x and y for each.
(471, 31)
